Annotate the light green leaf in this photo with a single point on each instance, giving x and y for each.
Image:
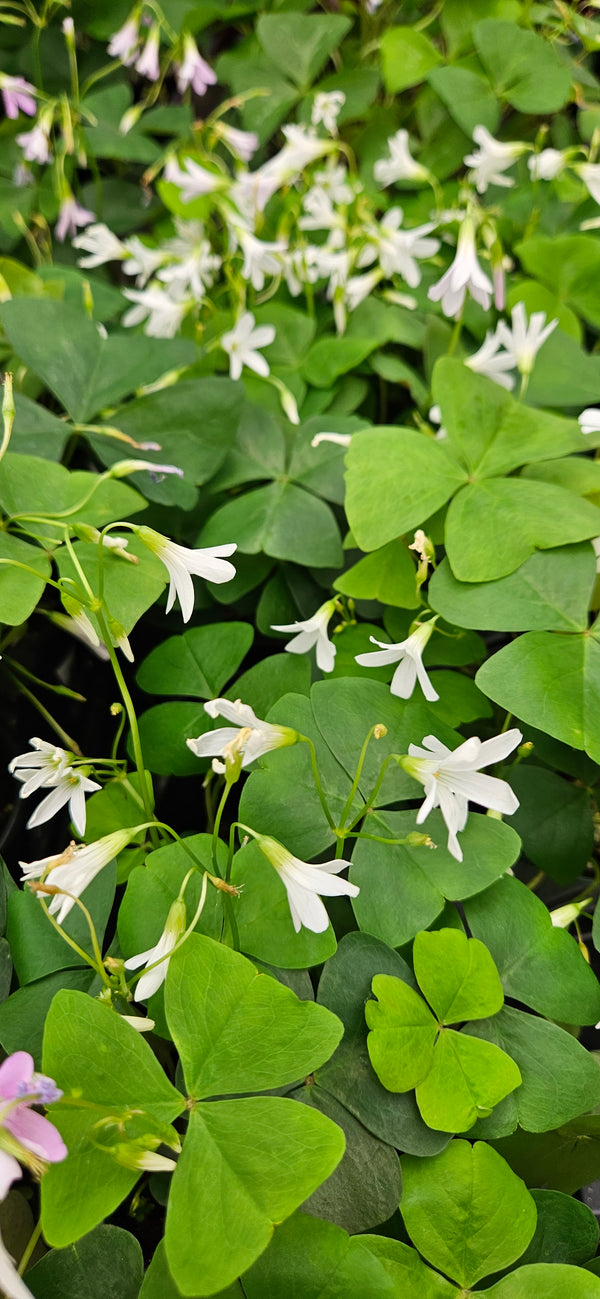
(553, 1280)
(467, 1079)
(237, 1030)
(511, 518)
(466, 1211)
(388, 575)
(24, 489)
(467, 96)
(409, 1274)
(402, 1034)
(551, 591)
(309, 1259)
(552, 681)
(539, 964)
(266, 1155)
(457, 976)
(396, 478)
(20, 591)
(407, 56)
(524, 68)
(332, 356)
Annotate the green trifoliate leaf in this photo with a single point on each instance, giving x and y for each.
(457, 976)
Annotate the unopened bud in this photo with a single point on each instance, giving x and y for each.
(562, 917)
(379, 731)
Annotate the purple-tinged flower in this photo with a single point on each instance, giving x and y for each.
(71, 215)
(17, 94)
(24, 1134)
(123, 45)
(148, 64)
(193, 70)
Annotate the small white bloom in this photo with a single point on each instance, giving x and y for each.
(452, 777)
(242, 343)
(195, 265)
(492, 160)
(242, 143)
(36, 144)
(493, 363)
(589, 420)
(175, 926)
(260, 258)
(400, 165)
(101, 245)
(397, 250)
(524, 340)
(409, 656)
(301, 147)
(320, 214)
(312, 631)
(11, 1284)
(326, 109)
(337, 183)
(463, 276)
(252, 736)
(590, 175)
(193, 180)
(123, 45)
(71, 215)
(51, 767)
(180, 562)
(546, 165)
(300, 267)
(304, 882)
(340, 439)
(194, 71)
(141, 260)
(359, 287)
(148, 62)
(75, 868)
(163, 311)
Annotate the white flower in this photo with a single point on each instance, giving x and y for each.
(35, 144)
(400, 165)
(148, 62)
(123, 45)
(304, 882)
(162, 309)
(492, 160)
(141, 260)
(340, 439)
(51, 767)
(75, 868)
(493, 363)
(312, 631)
(251, 736)
(242, 342)
(523, 340)
(260, 258)
(562, 917)
(452, 777)
(589, 420)
(301, 147)
(101, 244)
(326, 109)
(195, 266)
(194, 181)
(546, 165)
(334, 179)
(194, 71)
(397, 249)
(70, 216)
(300, 266)
(590, 175)
(180, 562)
(463, 275)
(359, 287)
(11, 1284)
(175, 926)
(409, 656)
(320, 214)
(242, 143)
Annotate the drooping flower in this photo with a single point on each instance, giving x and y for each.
(408, 654)
(524, 340)
(36, 143)
(124, 43)
(400, 165)
(452, 778)
(242, 343)
(51, 767)
(75, 868)
(162, 310)
(100, 244)
(260, 257)
(546, 165)
(193, 70)
(192, 180)
(17, 94)
(590, 175)
(181, 562)
(492, 159)
(326, 109)
(243, 143)
(142, 260)
(589, 420)
(251, 736)
(148, 64)
(71, 215)
(493, 363)
(175, 926)
(463, 276)
(312, 631)
(305, 882)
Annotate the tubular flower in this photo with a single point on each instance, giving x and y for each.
(452, 777)
(75, 868)
(463, 276)
(305, 882)
(409, 656)
(180, 562)
(491, 159)
(193, 70)
(159, 955)
(52, 767)
(251, 736)
(312, 631)
(400, 165)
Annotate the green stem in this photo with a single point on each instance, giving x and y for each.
(71, 941)
(374, 792)
(315, 771)
(216, 826)
(68, 741)
(30, 1246)
(354, 786)
(133, 723)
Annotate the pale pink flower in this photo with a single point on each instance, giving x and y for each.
(193, 70)
(123, 45)
(70, 216)
(17, 94)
